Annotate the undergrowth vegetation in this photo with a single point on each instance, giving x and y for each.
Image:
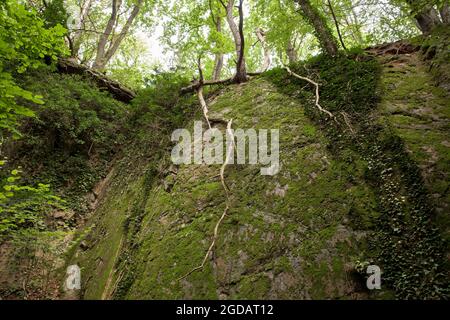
(69, 145)
(72, 138)
(22, 207)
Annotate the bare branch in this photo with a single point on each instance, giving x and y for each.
(196, 84)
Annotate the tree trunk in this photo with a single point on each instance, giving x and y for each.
(291, 52)
(428, 20)
(323, 33)
(261, 35)
(445, 13)
(100, 62)
(238, 36)
(427, 17)
(218, 65)
(104, 55)
(76, 43)
(218, 60)
(336, 23)
(357, 34)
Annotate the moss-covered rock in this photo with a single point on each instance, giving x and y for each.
(285, 236)
(350, 192)
(418, 112)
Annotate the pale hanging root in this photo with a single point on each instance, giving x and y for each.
(343, 113)
(216, 229)
(230, 151)
(202, 101)
(317, 91)
(199, 90)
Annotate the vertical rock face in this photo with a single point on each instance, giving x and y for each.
(419, 112)
(286, 236)
(304, 233)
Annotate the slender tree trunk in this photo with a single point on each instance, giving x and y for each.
(238, 36)
(323, 33)
(100, 62)
(76, 43)
(427, 17)
(218, 65)
(445, 13)
(241, 75)
(337, 25)
(104, 55)
(115, 45)
(261, 35)
(218, 60)
(291, 52)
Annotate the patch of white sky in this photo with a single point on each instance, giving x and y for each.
(155, 51)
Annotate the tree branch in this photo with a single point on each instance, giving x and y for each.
(196, 84)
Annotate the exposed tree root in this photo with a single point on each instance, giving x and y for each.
(201, 99)
(197, 84)
(343, 113)
(253, 74)
(216, 230)
(317, 91)
(230, 149)
(397, 47)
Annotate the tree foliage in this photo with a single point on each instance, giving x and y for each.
(25, 43)
(23, 208)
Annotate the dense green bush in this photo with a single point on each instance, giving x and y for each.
(73, 136)
(161, 100)
(163, 89)
(25, 44)
(76, 116)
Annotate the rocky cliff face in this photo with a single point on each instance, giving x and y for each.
(366, 188)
